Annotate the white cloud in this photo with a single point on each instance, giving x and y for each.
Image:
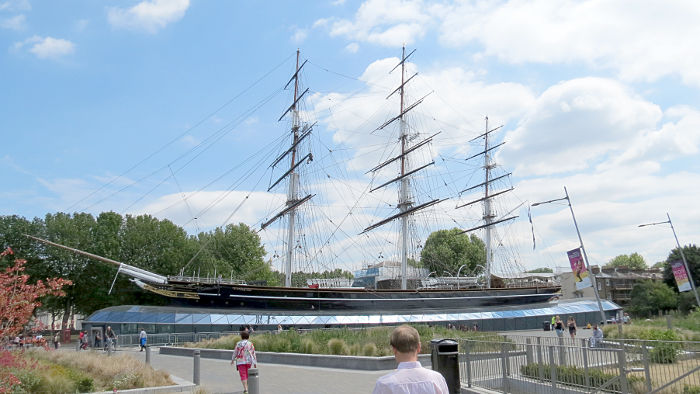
(299, 35)
(384, 22)
(148, 15)
(46, 47)
(452, 89)
(573, 126)
(352, 47)
(17, 22)
(189, 141)
(640, 42)
(15, 5)
(81, 25)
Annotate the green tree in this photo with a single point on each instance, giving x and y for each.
(632, 261)
(648, 297)
(448, 250)
(235, 251)
(541, 270)
(659, 264)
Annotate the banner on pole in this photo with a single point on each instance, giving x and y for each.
(681, 275)
(578, 267)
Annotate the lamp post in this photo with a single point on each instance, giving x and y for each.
(685, 262)
(588, 266)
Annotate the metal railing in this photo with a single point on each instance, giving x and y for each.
(177, 339)
(561, 365)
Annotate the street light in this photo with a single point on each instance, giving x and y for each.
(588, 266)
(685, 262)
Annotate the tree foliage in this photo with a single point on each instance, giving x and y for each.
(648, 297)
(632, 261)
(299, 278)
(448, 250)
(541, 270)
(143, 241)
(19, 298)
(692, 255)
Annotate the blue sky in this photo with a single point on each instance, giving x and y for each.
(103, 102)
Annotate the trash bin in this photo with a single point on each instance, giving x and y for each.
(547, 326)
(444, 355)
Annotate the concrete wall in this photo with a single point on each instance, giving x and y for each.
(310, 360)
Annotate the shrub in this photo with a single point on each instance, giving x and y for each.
(573, 375)
(355, 349)
(369, 349)
(338, 346)
(308, 346)
(691, 389)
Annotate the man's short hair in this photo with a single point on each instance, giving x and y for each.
(405, 339)
(245, 335)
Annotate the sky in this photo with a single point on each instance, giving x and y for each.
(158, 107)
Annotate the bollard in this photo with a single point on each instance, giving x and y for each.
(109, 350)
(528, 351)
(148, 355)
(195, 373)
(253, 381)
(77, 346)
(668, 322)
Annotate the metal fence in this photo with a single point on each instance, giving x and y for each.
(170, 339)
(565, 365)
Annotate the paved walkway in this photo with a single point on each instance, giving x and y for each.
(218, 376)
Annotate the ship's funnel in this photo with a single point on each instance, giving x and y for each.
(130, 270)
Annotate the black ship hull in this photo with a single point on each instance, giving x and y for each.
(309, 299)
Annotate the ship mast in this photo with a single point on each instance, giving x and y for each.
(293, 202)
(489, 215)
(293, 183)
(404, 199)
(405, 205)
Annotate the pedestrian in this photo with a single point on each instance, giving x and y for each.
(142, 339)
(56, 340)
(554, 321)
(559, 327)
(410, 376)
(84, 340)
(81, 339)
(572, 326)
(110, 338)
(279, 328)
(244, 358)
(597, 337)
(98, 339)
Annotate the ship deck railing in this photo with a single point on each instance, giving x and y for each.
(197, 279)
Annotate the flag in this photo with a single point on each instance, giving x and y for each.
(578, 267)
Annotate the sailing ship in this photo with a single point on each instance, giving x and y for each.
(412, 294)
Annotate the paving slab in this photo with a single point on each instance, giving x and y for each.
(219, 376)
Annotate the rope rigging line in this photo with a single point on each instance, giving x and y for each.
(179, 136)
(215, 137)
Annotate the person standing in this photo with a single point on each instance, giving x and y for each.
(56, 340)
(572, 326)
(559, 327)
(244, 358)
(110, 338)
(142, 339)
(410, 376)
(98, 340)
(554, 321)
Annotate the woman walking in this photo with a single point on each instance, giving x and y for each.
(244, 357)
(572, 327)
(559, 327)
